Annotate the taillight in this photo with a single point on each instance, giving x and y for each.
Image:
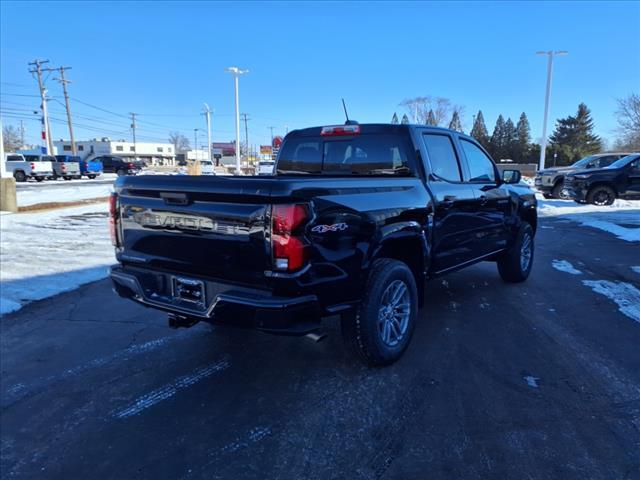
(63, 167)
(86, 165)
(340, 130)
(288, 246)
(113, 218)
(33, 166)
(131, 165)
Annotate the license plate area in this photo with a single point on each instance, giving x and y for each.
(188, 290)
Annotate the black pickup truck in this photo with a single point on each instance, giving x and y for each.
(354, 222)
(602, 186)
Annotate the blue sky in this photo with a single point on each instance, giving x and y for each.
(164, 59)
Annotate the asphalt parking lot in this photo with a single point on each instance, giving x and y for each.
(539, 380)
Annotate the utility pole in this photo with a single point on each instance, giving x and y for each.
(246, 134)
(547, 100)
(207, 113)
(195, 141)
(21, 134)
(64, 83)
(271, 128)
(46, 130)
(133, 129)
(236, 72)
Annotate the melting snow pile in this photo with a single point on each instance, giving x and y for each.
(43, 254)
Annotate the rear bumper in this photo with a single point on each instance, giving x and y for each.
(224, 304)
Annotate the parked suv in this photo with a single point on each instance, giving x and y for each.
(118, 165)
(602, 186)
(550, 180)
(355, 221)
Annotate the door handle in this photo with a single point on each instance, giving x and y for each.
(483, 200)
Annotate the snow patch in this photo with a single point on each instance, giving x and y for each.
(565, 267)
(531, 381)
(625, 295)
(636, 269)
(71, 193)
(46, 253)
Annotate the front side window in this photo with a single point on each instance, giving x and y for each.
(442, 157)
(481, 168)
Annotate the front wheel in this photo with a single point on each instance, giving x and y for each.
(558, 191)
(515, 264)
(602, 195)
(381, 328)
(91, 177)
(121, 173)
(39, 179)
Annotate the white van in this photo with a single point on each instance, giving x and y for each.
(206, 167)
(265, 167)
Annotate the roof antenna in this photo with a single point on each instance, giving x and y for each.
(348, 122)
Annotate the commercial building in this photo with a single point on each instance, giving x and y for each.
(152, 153)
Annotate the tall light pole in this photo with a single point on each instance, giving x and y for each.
(236, 72)
(550, 54)
(195, 142)
(207, 114)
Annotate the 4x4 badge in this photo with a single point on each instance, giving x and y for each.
(336, 227)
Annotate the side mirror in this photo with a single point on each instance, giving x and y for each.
(511, 176)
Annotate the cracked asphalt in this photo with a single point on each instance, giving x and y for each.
(539, 380)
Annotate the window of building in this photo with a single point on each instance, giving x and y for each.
(442, 157)
(80, 148)
(169, 149)
(160, 149)
(119, 148)
(66, 148)
(132, 149)
(480, 167)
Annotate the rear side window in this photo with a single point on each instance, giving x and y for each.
(357, 155)
(481, 168)
(442, 157)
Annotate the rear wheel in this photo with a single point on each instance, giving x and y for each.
(91, 177)
(515, 264)
(381, 328)
(120, 173)
(19, 176)
(601, 195)
(68, 178)
(39, 179)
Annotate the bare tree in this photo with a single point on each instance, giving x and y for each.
(419, 108)
(11, 138)
(180, 142)
(628, 116)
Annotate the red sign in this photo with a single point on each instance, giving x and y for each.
(277, 141)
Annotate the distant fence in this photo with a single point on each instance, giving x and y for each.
(526, 169)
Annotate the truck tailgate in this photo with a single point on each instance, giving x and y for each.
(42, 167)
(195, 225)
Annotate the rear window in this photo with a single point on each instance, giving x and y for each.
(358, 155)
(14, 158)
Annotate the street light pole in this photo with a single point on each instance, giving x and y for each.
(236, 72)
(195, 142)
(207, 112)
(547, 100)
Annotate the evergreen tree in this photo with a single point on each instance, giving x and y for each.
(497, 142)
(573, 137)
(523, 139)
(405, 119)
(509, 139)
(455, 123)
(431, 119)
(394, 119)
(479, 130)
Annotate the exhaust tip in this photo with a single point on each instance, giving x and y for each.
(316, 337)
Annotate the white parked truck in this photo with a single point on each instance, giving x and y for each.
(24, 167)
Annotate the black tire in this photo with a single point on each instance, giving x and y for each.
(369, 337)
(511, 264)
(39, 179)
(557, 191)
(68, 178)
(601, 195)
(91, 177)
(19, 176)
(120, 173)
